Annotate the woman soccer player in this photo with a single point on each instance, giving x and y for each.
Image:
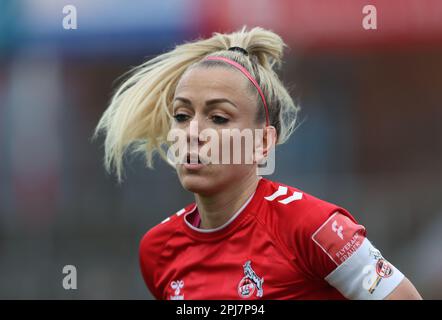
(245, 237)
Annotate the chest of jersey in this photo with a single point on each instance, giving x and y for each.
(248, 264)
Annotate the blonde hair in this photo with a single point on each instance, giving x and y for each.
(138, 118)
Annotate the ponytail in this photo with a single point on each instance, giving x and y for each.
(139, 115)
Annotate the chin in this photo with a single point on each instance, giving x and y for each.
(205, 182)
(198, 184)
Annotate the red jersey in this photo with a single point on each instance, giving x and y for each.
(282, 244)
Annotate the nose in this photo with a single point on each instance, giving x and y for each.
(193, 133)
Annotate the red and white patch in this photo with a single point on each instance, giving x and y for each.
(339, 237)
(383, 268)
(246, 288)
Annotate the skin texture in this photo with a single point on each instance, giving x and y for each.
(404, 291)
(221, 189)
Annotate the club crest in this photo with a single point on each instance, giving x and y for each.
(250, 282)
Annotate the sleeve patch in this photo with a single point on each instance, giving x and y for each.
(339, 237)
(366, 275)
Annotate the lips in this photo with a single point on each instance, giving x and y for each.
(193, 162)
(193, 158)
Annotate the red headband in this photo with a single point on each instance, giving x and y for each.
(249, 76)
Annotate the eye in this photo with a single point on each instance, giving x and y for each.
(219, 120)
(181, 117)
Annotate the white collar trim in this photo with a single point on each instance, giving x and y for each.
(222, 226)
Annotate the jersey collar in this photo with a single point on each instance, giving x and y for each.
(240, 215)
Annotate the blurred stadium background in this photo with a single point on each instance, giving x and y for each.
(371, 137)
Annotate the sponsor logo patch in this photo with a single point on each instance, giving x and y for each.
(339, 237)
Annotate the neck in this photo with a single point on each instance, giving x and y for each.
(217, 209)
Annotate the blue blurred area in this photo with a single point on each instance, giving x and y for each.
(103, 27)
(369, 139)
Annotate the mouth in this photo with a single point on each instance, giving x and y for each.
(193, 162)
(193, 158)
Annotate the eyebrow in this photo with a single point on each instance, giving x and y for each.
(208, 102)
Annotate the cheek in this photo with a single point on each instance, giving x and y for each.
(243, 145)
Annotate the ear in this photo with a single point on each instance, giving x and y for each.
(264, 143)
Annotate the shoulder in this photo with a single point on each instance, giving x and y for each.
(157, 236)
(152, 245)
(295, 217)
(296, 210)
(315, 232)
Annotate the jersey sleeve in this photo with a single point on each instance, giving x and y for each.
(338, 251)
(148, 258)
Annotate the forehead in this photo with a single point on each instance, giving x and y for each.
(205, 82)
